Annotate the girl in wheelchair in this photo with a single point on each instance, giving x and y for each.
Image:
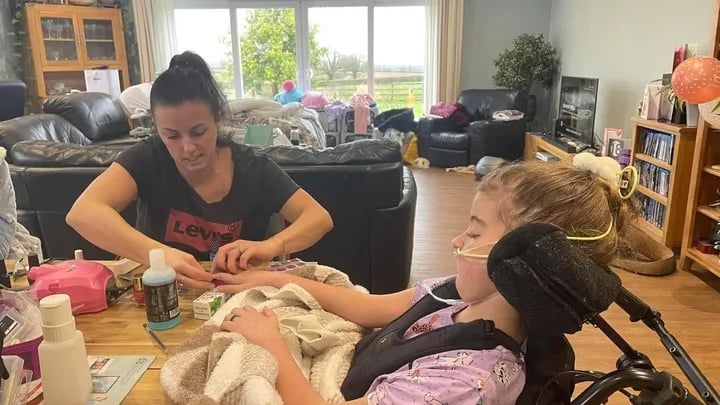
(456, 340)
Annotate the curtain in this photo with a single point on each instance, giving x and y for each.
(163, 22)
(142, 13)
(443, 58)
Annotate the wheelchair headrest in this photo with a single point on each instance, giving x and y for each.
(548, 280)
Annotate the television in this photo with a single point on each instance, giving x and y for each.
(576, 118)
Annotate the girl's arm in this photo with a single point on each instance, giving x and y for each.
(366, 310)
(292, 385)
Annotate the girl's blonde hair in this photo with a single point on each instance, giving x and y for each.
(575, 200)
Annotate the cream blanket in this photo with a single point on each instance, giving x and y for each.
(217, 367)
(245, 112)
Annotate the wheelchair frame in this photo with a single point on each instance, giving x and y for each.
(636, 371)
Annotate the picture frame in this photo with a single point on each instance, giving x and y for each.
(612, 142)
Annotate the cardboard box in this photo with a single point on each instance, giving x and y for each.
(207, 304)
(103, 81)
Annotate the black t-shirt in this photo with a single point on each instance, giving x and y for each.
(170, 211)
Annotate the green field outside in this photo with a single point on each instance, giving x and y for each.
(390, 93)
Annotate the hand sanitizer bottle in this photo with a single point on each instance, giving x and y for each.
(63, 358)
(161, 296)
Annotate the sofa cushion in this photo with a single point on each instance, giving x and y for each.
(41, 127)
(364, 151)
(123, 140)
(450, 140)
(482, 103)
(53, 154)
(96, 115)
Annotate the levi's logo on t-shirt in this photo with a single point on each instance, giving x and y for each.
(197, 232)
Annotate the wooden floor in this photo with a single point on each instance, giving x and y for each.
(689, 302)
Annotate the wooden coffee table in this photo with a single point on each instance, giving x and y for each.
(119, 331)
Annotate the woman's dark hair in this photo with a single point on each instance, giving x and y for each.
(188, 78)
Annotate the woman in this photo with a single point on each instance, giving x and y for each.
(578, 200)
(200, 196)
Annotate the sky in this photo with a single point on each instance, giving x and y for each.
(399, 32)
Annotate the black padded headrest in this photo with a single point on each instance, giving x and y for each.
(548, 280)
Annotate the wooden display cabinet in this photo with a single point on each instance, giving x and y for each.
(704, 186)
(67, 40)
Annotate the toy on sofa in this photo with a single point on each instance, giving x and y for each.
(290, 93)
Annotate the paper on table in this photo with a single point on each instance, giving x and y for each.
(114, 376)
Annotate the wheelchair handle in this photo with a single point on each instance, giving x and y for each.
(655, 387)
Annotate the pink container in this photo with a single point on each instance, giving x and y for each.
(29, 352)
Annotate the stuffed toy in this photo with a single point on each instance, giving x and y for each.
(290, 93)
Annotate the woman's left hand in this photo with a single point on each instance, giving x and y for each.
(236, 256)
(260, 328)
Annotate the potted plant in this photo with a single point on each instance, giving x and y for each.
(531, 59)
(681, 114)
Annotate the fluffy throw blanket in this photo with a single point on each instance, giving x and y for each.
(218, 367)
(246, 112)
(15, 241)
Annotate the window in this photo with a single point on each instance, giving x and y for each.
(267, 49)
(399, 65)
(338, 51)
(212, 42)
(337, 47)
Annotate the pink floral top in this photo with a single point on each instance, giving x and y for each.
(457, 377)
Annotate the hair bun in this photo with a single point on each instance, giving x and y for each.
(190, 60)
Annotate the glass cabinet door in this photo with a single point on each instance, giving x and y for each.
(99, 40)
(59, 39)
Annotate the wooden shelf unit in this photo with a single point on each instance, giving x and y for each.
(682, 144)
(704, 183)
(535, 143)
(66, 40)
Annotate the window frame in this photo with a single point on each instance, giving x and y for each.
(302, 33)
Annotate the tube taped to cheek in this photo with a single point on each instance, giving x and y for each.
(552, 284)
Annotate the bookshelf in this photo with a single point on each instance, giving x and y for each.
(662, 153)
(704, 184)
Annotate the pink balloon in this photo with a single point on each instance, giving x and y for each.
(697, 80)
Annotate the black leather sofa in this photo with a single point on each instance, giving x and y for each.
(12, 99)
(444, 145)
(369, 193)
(81, 119)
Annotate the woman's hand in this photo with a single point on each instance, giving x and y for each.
(189, 271)
(234, 283)
(237, 255)
(260, 328)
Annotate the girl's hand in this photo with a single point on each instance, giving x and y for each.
(234, 283)
(237, 255)
(189, 271)
(260, 328)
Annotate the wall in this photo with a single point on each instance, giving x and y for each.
(7, 60)
(489, 27)
(625, 44)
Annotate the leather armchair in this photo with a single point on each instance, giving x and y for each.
(79, 119)
(446, 146)
(364, 186)
(12, 99)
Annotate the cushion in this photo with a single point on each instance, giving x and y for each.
(450, 140)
